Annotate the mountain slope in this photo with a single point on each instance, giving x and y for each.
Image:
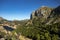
(47, 15)
(44, 24)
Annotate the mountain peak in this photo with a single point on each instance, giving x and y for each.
(46, 13)
(44, 6)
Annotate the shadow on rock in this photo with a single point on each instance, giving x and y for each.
(8, 28)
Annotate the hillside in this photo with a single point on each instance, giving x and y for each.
(44, 24)
(7, 29)
(47, 15)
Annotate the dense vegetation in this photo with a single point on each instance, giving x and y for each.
(40, 31)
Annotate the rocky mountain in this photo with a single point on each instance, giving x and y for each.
(44, 24)
(47, 15)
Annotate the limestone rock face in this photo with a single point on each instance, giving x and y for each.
(47, 15)
(41, 12)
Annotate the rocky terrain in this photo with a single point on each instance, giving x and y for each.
(7, 29)
(44, 24)
(47, 15)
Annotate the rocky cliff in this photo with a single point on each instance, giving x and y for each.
(47, 15)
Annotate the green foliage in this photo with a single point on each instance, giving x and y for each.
(38, 36)
(39, 31)
(2, 34)
(55, 37)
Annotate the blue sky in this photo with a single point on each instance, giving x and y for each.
(21, 9)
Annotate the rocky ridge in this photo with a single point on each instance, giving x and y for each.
(47, 15)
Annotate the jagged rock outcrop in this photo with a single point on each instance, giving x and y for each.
(47, 15)
(41, 12)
